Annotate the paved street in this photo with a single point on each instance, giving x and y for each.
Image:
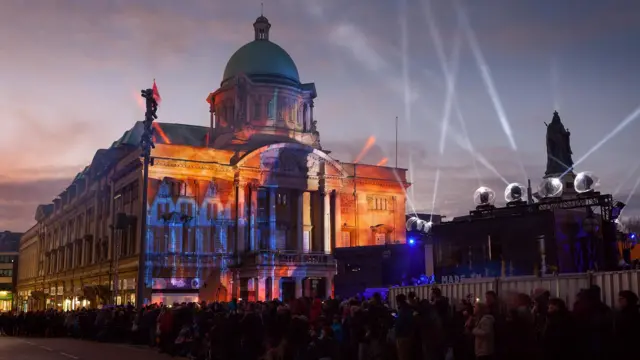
(12, 348)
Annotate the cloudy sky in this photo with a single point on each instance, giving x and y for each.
(496, 69)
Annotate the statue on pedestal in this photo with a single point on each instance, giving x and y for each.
(559, 151)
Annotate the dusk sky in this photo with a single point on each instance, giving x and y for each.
(72, 72)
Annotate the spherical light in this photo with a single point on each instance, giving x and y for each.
(484, 196)
(411, 222)
(550, 187)
(424, 226)
(585, 182)
(514, 192)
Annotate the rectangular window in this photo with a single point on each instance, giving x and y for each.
(6, 272)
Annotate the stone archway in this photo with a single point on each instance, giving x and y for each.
(279, 157)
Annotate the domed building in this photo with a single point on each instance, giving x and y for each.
(250, 206)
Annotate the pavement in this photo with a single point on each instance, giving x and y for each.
(13, 348)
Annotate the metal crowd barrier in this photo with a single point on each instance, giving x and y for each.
(564, 286)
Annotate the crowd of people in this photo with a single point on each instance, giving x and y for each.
(527, 327)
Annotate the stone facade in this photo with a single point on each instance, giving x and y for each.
(250, 207)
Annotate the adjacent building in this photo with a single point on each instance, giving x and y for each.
(8, 268)
(250, 206)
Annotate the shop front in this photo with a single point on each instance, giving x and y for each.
(6, 301)
(171, 291)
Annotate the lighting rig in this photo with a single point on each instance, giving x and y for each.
(549, 194)
(146, 144)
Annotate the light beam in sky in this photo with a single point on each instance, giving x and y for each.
(628, 120)
(404, 41)
(449, 72)
(367, 146)
(625, 179)
(435, 192)
(485, 72)
(383, 162)
(465, 133)
(633, 191)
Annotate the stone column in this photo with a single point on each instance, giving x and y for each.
(275, 288)
(336, 222)
(300, 221)
(241, 220)
(307, 222)
(253, 223)
(261, 288)
(299, 286)
(328, 287)
(326, 221)
(272, 219)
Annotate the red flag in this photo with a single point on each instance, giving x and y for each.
(156, 93)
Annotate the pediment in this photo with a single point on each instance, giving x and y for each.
(291, 158)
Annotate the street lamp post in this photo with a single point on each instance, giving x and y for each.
(146, 144)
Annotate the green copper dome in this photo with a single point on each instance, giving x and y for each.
(261, 57)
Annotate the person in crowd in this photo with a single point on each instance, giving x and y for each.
(594, 323)
(627, 325)
(462, 341)
(356, 328)
(483, 332)
(404, 328)
(558, 339)
(519, 330)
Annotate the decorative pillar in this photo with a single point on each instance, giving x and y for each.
(253, 222)
(311, 106)
(326, 221)
(306, 219)
(336, 222)
(241, 220)
(299, 285)
(261, 288)
(275, 288)
(272, 218)
(328, 287)
(300, 222)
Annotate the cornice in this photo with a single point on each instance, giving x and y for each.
(195, 165)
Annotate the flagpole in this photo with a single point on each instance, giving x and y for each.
(146, 144)
(396, 142)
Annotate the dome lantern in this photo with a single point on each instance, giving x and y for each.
(261, 28)
(262, 59)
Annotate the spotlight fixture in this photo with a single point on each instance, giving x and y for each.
(515, 193)
(585, 181)
(416, 224)
(550, 187)
(484, 196)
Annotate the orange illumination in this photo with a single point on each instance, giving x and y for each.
(139, 100)
(367, 146)
(382, 162)
(160, 132)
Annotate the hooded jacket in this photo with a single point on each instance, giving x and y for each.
(484, 335)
